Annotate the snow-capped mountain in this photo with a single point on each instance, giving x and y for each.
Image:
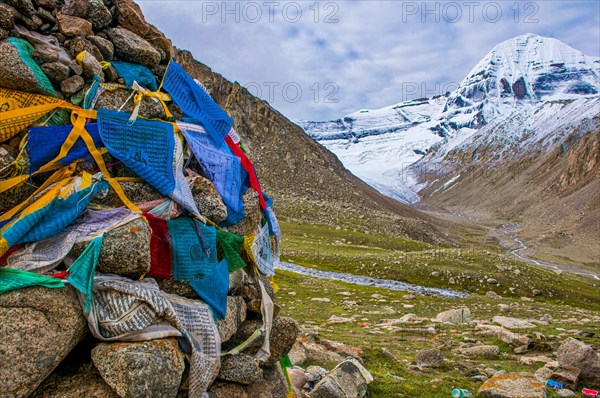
(519, 87)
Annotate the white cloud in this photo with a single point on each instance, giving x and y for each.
(375, 53)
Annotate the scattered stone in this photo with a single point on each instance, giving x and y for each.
(348, 379)
(512, 323)
(565, 393)
(536, 292)
(456, 316)
(432, 358)
(132, 48)
(531, 360)
(479, 378)
(513, 385)
(575, 353)
(39, 327)
(504, 307)
(142, 369)
(240, 368)
(298, 377)
(492, 294)
(547, 318)
(321, 299)
(484, 351)
(73, 26)
(492, 281)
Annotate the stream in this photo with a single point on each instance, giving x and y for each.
(369, 281)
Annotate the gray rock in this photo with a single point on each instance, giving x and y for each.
(98, 14)
(315, 374)
(223, 389)
(576, 353)
(7, 16)
(512, 385)
(430, 358)
(56, 71)
(91, 67)
(240, 368)
(180, 288)
(567, 375)
(131, 47)
(113, 100)
(349, 379)
(39, 327)
(125, 250)
(520, 350)
(274, 382)
(25, 7)
(565, 393)
(512, 323)
(234, 317)
(484, 351)
(283, 336)
(85, 381)
(479, 378)
(237, 279)
(455, 316)
(44, 54)
(135, 191)
(72, 85)
(208, 200)
(73, 26)
(46, 15)
(252, 215)
(104, 46)
(501, 333)
(14, 74)
(150, 369)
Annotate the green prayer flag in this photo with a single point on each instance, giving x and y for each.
(13, 279)
(81, 272)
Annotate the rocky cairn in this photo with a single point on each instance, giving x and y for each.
(46, 348)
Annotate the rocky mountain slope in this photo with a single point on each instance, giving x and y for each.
(529, 98)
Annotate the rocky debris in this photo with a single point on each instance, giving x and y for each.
(39, 327)
(348, 379)
(455, 316)
(575, 353)
(150, 369)
(512, 323)
(483, 351)
(513, 385)
(240, 368)
(531, 360)
(308, 349)
(432, 358)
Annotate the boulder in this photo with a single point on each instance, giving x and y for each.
(208, 200)
(150, 369)
(349, 379)
(7, 16)
(56, 71)
(240, 368)
(73, 26)
(125, 250)
(39, 327)
(72, 85)
(512, 323)
(224, 389)
(14, 74)
(91, 67)
(84, 381)
(456, 316)
(483, 351)
(132, 48)
(252, 215)
(76, 8)
(298, 377)
(567, 375)
(432, 358)
(106, 48)
(513, 385)
(501, 333)
(98, 14)
(234, 317)
(149, 109)
(575, 353)
(274, 381)
(130, 17)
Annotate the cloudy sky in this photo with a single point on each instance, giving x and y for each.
(322, 60)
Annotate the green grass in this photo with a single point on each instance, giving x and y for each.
(567, 299)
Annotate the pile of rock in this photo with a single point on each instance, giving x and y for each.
(46, 349)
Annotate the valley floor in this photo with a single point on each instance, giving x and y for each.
(355, 314)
